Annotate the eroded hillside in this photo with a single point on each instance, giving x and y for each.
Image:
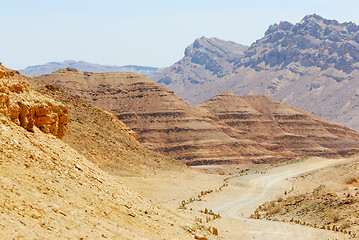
(225, 129)
(50, 190)
(107, 141)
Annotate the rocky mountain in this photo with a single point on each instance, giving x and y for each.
(312, 65)
(225, 129)
(206, 60)
(50, 190)
(86, 66)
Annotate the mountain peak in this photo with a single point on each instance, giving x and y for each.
(313, 42)
(313, 17)
(213, 58)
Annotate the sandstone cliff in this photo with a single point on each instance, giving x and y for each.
(22, 105)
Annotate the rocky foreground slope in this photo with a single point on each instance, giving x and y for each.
(225, 129)
(49, 190)
(313, 65)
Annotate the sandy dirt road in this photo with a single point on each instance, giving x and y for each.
(245, 193)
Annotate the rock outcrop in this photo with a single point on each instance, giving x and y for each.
(25, 107)
(225, 129)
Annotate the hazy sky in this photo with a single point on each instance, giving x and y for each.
(153, 33)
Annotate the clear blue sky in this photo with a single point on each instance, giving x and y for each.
(153, 33)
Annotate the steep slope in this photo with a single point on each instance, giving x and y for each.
(206, 60)
(312, 65)
(226, 129)
(49, 190)
(50, 67)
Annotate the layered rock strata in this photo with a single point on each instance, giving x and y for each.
(225, 129)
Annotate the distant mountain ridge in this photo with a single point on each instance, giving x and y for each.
(50, 67)
(314, 41)
(313, 65)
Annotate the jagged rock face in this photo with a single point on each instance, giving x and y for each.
(22, 105)
(314, 41)
(225, 129)
(207, 59)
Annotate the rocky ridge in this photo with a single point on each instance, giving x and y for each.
(225, 129)
(312, 65)
(313, 42)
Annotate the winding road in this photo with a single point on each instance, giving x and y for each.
(246, 193)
